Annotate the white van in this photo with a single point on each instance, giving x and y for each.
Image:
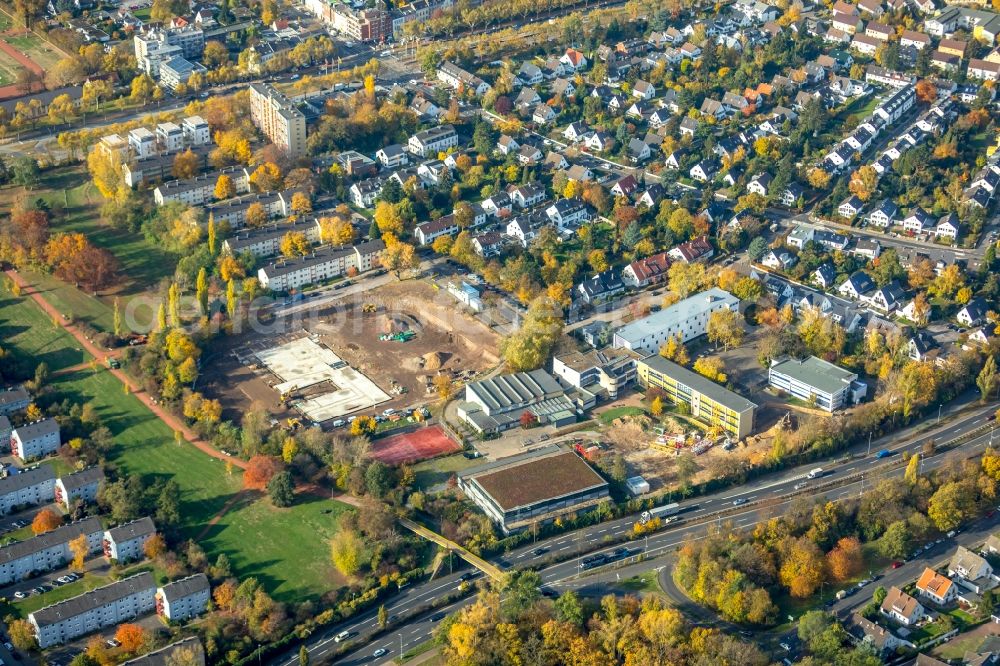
(815, 473)
(342, 636)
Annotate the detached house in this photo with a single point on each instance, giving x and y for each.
(932, 585)
(573, 60)
(972, 570)
(918, 221)
(644, 90)
(851, 208)
(600, 287)
(973, 313)
(760, 184)
(645, 272)
(856, 286)
(901, 607)
(705, 170)
(947, 227)
(884, 214)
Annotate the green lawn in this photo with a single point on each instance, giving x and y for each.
(617, 412)
(146, 446)
(72, 302)
(31, 334)
(644, 582)
(287, 550)
(430, 473)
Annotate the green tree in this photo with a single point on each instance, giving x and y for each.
(950, 505)
(378, 479)
(987, 379)
(569, 609)
(201, 290)
(281, 489)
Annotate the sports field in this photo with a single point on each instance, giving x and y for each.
(429, 442)
(45, 55)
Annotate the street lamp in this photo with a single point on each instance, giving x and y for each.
(400, 645)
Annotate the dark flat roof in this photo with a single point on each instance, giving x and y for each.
(537, 479)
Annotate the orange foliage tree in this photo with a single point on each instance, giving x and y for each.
(131, 636)
(45, 520)
(845, 560)
(259, 471)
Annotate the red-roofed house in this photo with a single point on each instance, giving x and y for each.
(644, 272)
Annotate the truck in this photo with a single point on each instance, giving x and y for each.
(659, 512)
(815, 473)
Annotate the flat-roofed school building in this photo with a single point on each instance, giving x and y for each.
(535, 487)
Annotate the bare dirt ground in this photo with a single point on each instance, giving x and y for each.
(445, 342)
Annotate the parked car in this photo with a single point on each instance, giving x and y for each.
(20, 595)
(112, 643)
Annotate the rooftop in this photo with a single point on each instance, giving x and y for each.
(137, 528)
(84, 477)
(26, 479)
(505, 391)
(63, 534)
(702, 385)
(815, 372)
(185, 587)
(37, 429)
(96, 598)
(680, 311)
(535, 477)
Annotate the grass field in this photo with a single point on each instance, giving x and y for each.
(430, 473)
(76, 208)
(617, 412)
(146, 446)
(8, 69)
(287, 550)
(29, 333)
(644, 582)
(40, 52)
(31, 604)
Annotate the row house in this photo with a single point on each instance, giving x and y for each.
(322, 264)
(81, 486)
(201, 189)
(25, 559)
(92, 611)
(233, 212)
(30, 487)
(266, 241)
(184, 599)
(125, 543)
(35, 440)
(427, 232)
(458, 79)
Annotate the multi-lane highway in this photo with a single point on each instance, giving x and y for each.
(849, 475)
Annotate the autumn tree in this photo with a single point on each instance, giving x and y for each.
(259, 471)
(685, 279)
(22, 635)
(295, 244)
(864, 182)
(388, 219)
(951, 505)
(154, 546)
(131, 636)
(337, 230)
(347, 550)
(986, 381)
(725, 327)
(45, 520)
(845, 560)
(80, 548)
(224, 188)
(397, 255)
(711, 367)
(363, 425)
(186, 165)
(926, 91)
(301, 203)
(256, 215)
(802, 567)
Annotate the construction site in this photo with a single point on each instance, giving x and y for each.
(383, 348)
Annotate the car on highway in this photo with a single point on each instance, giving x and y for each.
(884, 453)
(896, 565)
(739, 501)
(381, 652)
(538, 552)
(342, 636)
(437, 617)
(800, 486)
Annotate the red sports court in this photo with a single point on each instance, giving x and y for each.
(421, 444)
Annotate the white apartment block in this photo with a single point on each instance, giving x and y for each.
(200, 190)
(35, 440)
(142, 142)
(32, 486)
(686, 319)
(170, 136)
(278, 118)
(816, 381)
(156, 46)
(45, 552)
(323, 264)
(14, 399)
(184, 598)
(82, 486)
(266, 241)
(125, 542)
(92, 611)
(234, 211)
(430, 142)
(196, 131)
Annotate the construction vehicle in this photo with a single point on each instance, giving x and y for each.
(113, 363)
(402, 336)
(659, 512)
(294, 423)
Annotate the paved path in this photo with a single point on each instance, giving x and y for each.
(491, 570)
(174, 423)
